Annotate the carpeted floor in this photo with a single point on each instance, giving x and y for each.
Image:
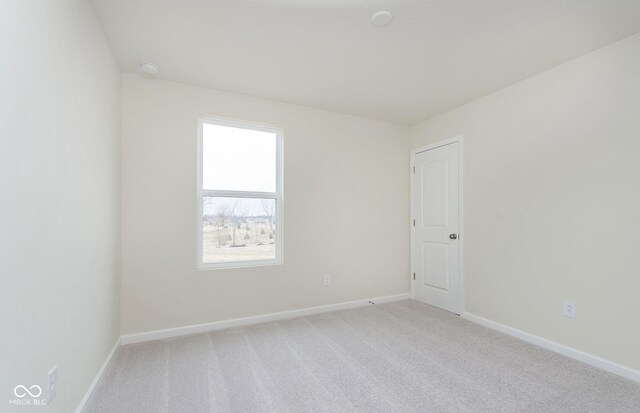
(398, 357)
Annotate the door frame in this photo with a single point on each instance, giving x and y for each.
(456, 139)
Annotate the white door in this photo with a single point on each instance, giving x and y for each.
(436, 241)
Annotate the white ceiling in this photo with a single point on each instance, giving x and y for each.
(435, 55)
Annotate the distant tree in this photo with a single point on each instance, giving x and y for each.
(221, 218)
(268, 208)
(236, 216)
(262, 231)
(222, 238)
(246, 236)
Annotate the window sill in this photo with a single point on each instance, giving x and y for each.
(238, 264)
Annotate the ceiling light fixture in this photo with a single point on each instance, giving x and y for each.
(150, 68)
(382, 18)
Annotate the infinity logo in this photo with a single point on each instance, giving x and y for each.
(21, 391)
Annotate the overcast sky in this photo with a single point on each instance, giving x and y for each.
(238, 159)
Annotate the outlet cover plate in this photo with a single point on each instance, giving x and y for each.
(569, 309)
(52, 383)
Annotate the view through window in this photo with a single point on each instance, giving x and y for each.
(240, 194)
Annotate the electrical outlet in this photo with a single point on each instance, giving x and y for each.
(53, 383)
(569, 309)
(327, 279)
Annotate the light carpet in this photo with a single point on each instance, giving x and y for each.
(398, 357)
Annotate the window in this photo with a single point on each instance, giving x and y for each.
(239, 194)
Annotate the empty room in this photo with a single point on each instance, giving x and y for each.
(238, 206)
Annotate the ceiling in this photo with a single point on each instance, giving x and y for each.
(434, 56)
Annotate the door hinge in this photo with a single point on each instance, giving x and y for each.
(414, 222)
(414, 275)
(414, 169)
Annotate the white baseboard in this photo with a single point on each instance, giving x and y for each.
(587, 358)
(238, 322)
(98, 378)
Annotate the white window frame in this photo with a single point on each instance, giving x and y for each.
(277, 195)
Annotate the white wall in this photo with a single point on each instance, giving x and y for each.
(59, 209)
(346, 191)
(552, 201)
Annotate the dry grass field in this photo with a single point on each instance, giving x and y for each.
(254, 240)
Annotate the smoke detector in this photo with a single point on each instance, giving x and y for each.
(150, 68)
(382, 18)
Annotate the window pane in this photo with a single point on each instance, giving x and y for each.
(238, 159)
(238, 229)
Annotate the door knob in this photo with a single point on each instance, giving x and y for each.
(453, 236)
